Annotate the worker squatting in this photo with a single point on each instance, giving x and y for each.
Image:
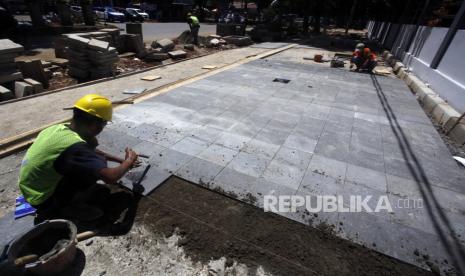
(64, 162)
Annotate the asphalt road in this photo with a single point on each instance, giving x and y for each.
(153, 31)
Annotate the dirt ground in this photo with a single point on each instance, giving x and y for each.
(184, 229)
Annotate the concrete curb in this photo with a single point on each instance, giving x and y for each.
(431, 102)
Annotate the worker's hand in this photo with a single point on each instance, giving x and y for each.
(131, 157)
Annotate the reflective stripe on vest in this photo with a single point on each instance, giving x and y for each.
(38, 177)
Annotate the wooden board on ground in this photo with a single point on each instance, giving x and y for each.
(150, 78)
(208, 67)
(381, 70)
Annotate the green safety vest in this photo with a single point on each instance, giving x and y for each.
(38, 177)
(195, 20)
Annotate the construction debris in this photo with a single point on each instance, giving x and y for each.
(34, 69)
(157, 56)
(165, 44)
(189, 47)
(177, 54)
(238, 40)
(137, 90)
(150, 78)
(208, 67)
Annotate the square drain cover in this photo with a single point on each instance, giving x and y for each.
(281, 80)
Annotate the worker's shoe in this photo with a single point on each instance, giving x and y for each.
(82, 212)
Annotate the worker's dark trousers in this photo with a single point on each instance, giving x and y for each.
(195, 34)
(65, 192)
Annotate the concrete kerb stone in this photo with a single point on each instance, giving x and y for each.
(443, 112)
(402, 73)
(389, 58)
(23, 89)
(431, 101)
(37, 86)
(385, 53)
(397, 66)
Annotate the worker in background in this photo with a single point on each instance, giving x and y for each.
(363, 58)
(63, 163)
(194, 25)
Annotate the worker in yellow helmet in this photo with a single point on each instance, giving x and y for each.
(194, 25)
(64, 162)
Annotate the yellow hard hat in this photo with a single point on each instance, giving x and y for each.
(95, 105)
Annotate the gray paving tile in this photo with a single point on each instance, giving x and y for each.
(249, 164)
(301, 143)
(233, 183)
(317, 184)
(199, 171)
(218, 154)
(284, 174)
(170, 160)
(148, 148)
(115, 142)
(232, 140)
(352, 190)
(366, 177)
(154, 178)
(245, 130)
(371, 160)
(400, 168)
(258, 147)
(403, 187)
(156, 135)
(272, 136)
(406, 211)
(190, 146)
(206, 133)
(328, 167)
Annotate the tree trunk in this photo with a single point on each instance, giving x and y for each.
(64, 12)
(351, 15)
(87, 13)
(36, 12)
(317, 19)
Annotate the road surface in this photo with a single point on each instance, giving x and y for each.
(153, 31)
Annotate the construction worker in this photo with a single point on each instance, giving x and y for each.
(363, 58)
(194, 25)
(63, 163)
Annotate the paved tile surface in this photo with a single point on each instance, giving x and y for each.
(326, 132)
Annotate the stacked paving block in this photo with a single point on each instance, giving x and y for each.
(90, 58)
(8, 70)
(6, 94)
(102, 57)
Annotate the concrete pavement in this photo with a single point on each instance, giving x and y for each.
(327, 132)
(25, 115)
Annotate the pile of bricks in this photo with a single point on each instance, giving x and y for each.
(8, 70)
(90, 58)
